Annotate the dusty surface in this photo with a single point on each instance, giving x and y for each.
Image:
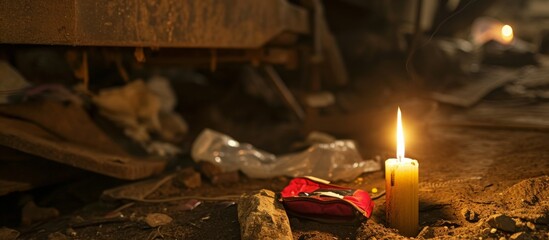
(466, 175)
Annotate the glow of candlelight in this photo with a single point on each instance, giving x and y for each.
(400, 137)
(507, 33)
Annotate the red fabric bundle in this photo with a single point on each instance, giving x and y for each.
(316, 199)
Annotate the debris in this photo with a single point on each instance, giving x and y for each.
(469, 215)
(216, 175)
(257, 86)
(133, 107)
(432, 232)
(32, 213)
(497, 115)
(320, 99)
(162, 149)
(319, 137)
(502, 222)
(531, 226)
(160, 86)
(57, 236)
(188, 178)
(493, 230)
(520, 236)
(7, 186)
(81, 223)
(71, 232)
(338, 160)
(8, 233)
(157, 219)
(138, 190)
(262, 216)
(285, 93)
(188, 205)
(61, 120)
(31, 128)
(53, 92)
(426, 232)
(472, 91)
(174, 127)
(141, 112)
(12, 82)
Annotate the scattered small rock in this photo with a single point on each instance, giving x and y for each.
(485, 231)
(469, 215)
(373, 230)
(188, 178)
(57, 236)
(157, 219)
(307, 236)
(521, 236)
(8, 233)
(531, 226)
(262, 216)
(502, 222)
(426, 232)
(71, 232)
(32, 213)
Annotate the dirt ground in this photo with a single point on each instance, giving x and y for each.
(485, 171)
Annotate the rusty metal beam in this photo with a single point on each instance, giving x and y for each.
(150, 23)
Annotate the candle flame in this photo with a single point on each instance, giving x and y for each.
(400, 137)
(507, 33)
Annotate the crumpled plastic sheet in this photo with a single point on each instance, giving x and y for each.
(338, 160)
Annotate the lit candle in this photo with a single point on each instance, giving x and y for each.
(506, 34)
(401, 183)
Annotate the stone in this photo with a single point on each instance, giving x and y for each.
(157, 219)
(493, 230)
(531, 226)
(262, 216)
(57, 236)
(469, 215)
(520, 236)
(502, 222)
(71, 232)
(8, 233)
(216, 175)
(32, 213)
(426, 232)
(188, 178)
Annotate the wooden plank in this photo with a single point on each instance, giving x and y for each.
(28, 137)
(13, 186)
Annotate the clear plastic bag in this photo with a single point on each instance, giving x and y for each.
(338, 160)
